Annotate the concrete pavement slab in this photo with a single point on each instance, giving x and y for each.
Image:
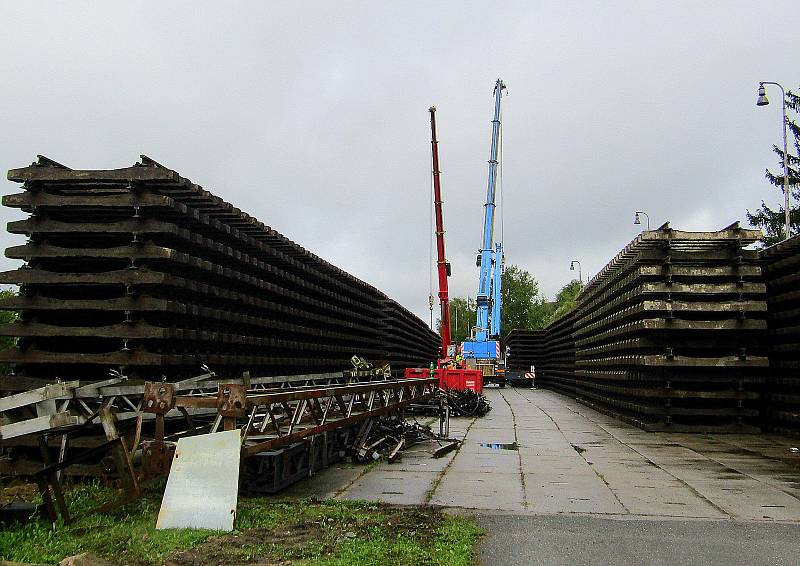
(749, 499)
(497, 491)
(399, 487)
(570, 494)
(575, 460)
(326, 483)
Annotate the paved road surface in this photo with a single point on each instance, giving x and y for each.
(578, 540)
(577, 475)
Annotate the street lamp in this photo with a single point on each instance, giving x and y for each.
(638, 221)
(763, 101)
(572, 268)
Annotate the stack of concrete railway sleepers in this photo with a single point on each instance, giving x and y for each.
(670, 335)
(558, 372)
(401, 338)
(782, 275)
(525, 349)
(142, 271)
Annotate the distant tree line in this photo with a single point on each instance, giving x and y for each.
(524, 305)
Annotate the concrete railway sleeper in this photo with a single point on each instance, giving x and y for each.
(142, 271)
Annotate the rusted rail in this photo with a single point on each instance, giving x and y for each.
(280, 418)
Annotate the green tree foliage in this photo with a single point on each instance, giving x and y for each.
(524, 306)
(565, 300)
(462, 318)
(6, 317)
(522, 301)
(773, 222)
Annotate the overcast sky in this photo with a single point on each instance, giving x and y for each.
(313, 117)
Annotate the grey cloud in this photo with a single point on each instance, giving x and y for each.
(313, 117)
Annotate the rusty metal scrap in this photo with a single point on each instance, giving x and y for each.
(300, 422)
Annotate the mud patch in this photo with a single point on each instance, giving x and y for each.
(18, 491)
(319, 537)
(252, 546)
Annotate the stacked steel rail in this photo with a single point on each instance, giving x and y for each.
(142, 271)
(782, 275)
(400, 334)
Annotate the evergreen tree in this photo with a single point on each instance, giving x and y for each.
(773, 222)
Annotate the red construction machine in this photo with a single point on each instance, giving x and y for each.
(449, 368)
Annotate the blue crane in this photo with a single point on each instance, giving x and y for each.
(484, 345)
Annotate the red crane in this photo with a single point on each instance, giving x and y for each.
(443, 266)
(451, 374)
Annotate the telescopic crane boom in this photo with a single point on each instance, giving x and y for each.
(443, 267)
(484, 345)
(487, 257)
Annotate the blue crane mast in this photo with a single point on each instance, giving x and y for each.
(484, 345)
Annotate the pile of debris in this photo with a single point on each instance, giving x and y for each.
(466, 403)
(387, 437)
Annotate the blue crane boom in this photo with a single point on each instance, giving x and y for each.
(484, 343)
(487, 251)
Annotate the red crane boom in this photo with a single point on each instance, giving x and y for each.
(443, 267)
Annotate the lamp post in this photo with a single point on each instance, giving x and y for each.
(763, 101)
(638, 220)
(572, 268)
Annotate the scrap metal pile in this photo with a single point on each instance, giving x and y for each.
(290, 426)
(669, 335)
(142, 271)
(466, 403)
(782, 274)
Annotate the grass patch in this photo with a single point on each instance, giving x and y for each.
(267, 530)
(126, 535)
